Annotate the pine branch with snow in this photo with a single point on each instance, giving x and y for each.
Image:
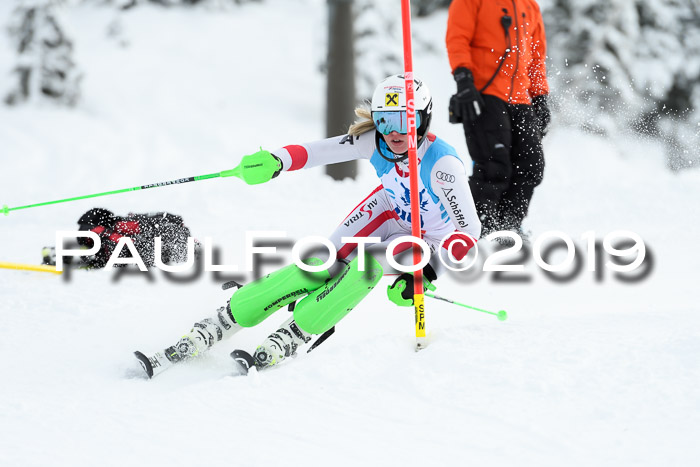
(45, 66)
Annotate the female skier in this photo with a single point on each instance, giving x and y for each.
(448, 217)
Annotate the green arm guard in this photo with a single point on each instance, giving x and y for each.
(256, 168)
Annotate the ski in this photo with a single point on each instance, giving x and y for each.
(145, 363)
(157, 363)
(244, 361)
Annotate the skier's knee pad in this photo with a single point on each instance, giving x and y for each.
(254, 302)
(323, 308)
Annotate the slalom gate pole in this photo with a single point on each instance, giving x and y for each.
(502, 315)
(237, 172)
(29, 267)
(418, 297)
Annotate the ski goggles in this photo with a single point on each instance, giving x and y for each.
(387, 121)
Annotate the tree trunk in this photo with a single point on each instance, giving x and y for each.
(340, 90)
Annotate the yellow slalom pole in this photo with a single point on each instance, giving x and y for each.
(419, 304)
(30, 267)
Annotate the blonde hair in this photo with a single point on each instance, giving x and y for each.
(364, 122)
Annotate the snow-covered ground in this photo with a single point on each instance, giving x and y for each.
(584, 372)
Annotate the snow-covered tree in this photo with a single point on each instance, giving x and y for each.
(426, 7)
(379, 40)
(45, 67)
(628, 64)
(127, 4)
(378, 43)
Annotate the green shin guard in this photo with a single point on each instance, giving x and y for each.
(323, 308)
(256, 301)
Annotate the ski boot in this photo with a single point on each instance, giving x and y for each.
(280, 344)
(48, 255)
(201, 337)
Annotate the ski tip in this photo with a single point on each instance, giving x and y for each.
(244, 361)
(145, 363)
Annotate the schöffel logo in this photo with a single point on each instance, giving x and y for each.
(445, 177)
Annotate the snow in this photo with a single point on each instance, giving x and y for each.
(584, 372)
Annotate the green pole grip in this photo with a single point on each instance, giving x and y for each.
(230, 173)
(256, 168)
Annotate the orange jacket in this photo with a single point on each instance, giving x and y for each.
(477, 40)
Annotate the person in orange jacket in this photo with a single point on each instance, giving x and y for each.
(497, 51)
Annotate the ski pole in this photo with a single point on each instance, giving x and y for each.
(322, 339)
(6, 210)
(259, 159)
(501, 315)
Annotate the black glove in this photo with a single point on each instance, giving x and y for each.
(544, 116)
(467, 104)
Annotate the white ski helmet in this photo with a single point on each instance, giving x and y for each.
(390, 96)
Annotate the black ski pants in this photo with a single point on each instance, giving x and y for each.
(505, 144)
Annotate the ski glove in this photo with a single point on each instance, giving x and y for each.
(467, 104)
(256, 168)
(544, 116)
(401, 291)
